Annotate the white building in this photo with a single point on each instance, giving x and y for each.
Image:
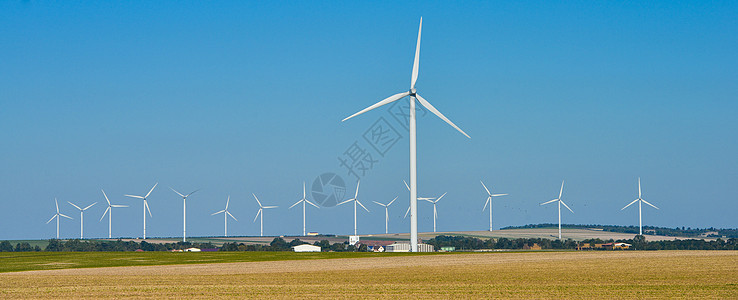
(403, 247)
(306, 248)
(192, 250)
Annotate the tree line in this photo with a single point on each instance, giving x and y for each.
(638, 243)
(676, 231)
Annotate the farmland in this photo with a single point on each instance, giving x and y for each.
(630, 274)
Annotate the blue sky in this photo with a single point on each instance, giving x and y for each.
(247, 97)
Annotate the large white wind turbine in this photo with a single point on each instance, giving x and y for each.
(435, 213)
(639, 200)
(261, 212)
(412, 93)
(386, 214)
(57, 215)
(489, 201)
(109, 212)
(355, 199)
(145, 206)
(303, 201)
(225, 213)
(184, 212)
(560, 202)
(81, 218)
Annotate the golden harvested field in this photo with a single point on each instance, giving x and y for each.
(626, 274)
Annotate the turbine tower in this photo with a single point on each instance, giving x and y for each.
(435, 213)
(81, 218)
(489, 201)
(303, 201)
(355, 199)
(184, 212)
(261, 212)
(57, 215)
(560, 202)
(145, 207)
(412, 93)
(386, 214)
(640, 201)
(225, 213)
(109, 212)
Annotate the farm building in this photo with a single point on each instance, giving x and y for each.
(376, 246)
(306, 248)
(192, 250)
(403, 247)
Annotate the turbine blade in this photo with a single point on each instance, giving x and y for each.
(52, 218)
(117, 205)
(257, 199)
(312, 204)
(303, 190)
(639, 187)
(393, 200)
(485, 187)
(134, 196)
(74, 205)
(407, 186)
(106, 197)
(629, 204)
(362, 205)
(347, 201)
(644, 201)
(567, 207)
(389, 99)
(57, 205)
(68, 217)
(296, 203)
(105, 213)
(218, 212)
(562, 189)
(379, 203)
(416, 62)
(487, 202)
(152, 189)
(89, 206)
(229, 213)
(432, 109)
(356, 196)
(439, 198)
(191, 193)
(499, 195)
(270, 207)
(547, 202)
(257, 215)
(228, 201)
(147, 208)
(407, 212)
(178, 193)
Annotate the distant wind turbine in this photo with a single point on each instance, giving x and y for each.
(355, 199)
(639, 200)
(303, 201)
(435, 213)
(81, 218)
(145, 207)
(560, 202)
(419, 198)
(57, 215)
(412, 93)
(184, 212)
(109, 212)
(386, 214)
(489, 201)
(261, 212)
(225, 213)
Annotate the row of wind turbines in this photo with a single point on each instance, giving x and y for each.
(304, 201)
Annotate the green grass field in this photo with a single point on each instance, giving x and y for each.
(28, 261)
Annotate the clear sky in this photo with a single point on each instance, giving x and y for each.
(248, 97)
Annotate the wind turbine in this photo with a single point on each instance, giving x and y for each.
(225, 213)
(109, 211)
(356, 201)
(419, 198)
(184, 212)
(261, 212)
(303, 200)
(560, 202)
(412, 93)
(81, 218)
(145, 206)
(57, 218)
(435, 214)
(489, 201)
(386, 213)
(640, 201)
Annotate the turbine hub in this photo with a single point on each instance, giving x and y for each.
(413, 92)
